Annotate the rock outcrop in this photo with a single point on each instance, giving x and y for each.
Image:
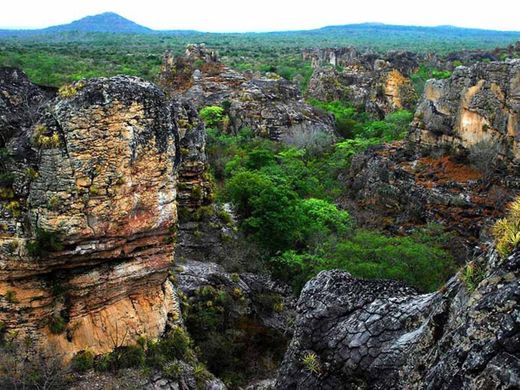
(352, 334)
(378, 84)
(475, 107)
(395, 188)
(194, 188)
(270, 106)
(459, 164)
(87, 213)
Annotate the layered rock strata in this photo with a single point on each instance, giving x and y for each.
(86, 243)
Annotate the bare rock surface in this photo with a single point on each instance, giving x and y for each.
(476, 105)
(379, 335)
(375, 83)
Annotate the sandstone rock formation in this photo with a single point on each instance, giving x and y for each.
(476, 106)
(375, 83)
(448, 170)
(403, 61)
(470, 57)
(352, 334)
(272, 107)
(87, 213)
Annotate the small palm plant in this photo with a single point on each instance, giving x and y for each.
(311, 363)
(507, 230)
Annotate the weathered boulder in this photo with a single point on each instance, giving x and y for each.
(477, 105)
(247, 317)
(271, 106)
(21, 102)
(352, 334)
(86, 242)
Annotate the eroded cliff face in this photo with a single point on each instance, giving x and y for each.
(458, 166)
(353, 333)
(479, 104)
(378, 84)
(270, 106)
(86, 241)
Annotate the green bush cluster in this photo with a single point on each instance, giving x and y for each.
(425, 73)
(158, 354)
(212, 116)
(44, 243)
(284, 198)
(351, 123)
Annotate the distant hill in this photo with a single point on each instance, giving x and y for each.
(106, 22)
(110, 29)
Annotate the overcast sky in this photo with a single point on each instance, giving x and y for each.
(266, 15)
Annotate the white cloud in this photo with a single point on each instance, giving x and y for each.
(266, 15)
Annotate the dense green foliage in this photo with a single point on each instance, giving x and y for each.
(285, 196)
(351, 123)
(212, 116)
(372, 255)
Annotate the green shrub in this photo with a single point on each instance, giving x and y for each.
(212, 116)
(348, 119)
(45, 242)
(57, 324)
(70, 90)
(176, 345)
(10, 296)
(44, 138)
(507, 230)
(371, 255)
(269, 211)
(130, 356)
(472, 275)
(311, 363)
(83, 361)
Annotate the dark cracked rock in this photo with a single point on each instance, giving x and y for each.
(258, 292)
(380, 335)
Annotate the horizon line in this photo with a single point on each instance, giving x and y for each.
(152, 30)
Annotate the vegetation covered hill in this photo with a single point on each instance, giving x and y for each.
(105, 22)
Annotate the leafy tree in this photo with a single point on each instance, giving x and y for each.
(212, 116)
